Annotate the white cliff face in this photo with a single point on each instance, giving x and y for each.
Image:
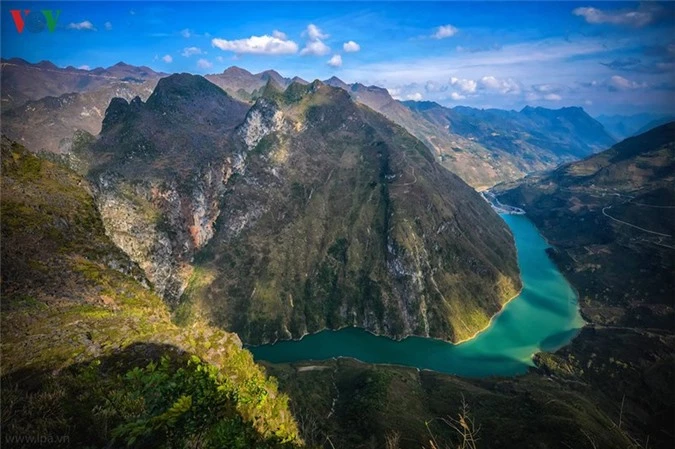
(127, 222)
(159, 225)
(263, 119)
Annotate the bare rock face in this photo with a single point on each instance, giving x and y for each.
(159, 225)
(161, 168)
(130, 221)
(264, 118)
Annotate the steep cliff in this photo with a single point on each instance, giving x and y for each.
(90, 356)
(337, 217)
(160, 169)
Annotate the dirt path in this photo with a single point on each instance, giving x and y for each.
(631, 225)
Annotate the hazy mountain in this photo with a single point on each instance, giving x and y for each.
(623, 126)
(48, 124)
(485, 147)
(299, 220)
(246, 86)
(654, 123)
(546, 135)
(43, 105)
(23, 81)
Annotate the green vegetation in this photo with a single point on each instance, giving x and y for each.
(339, 222)
(123, 400)
(355, 405)
(74, 310)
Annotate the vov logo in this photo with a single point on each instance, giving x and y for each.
(35, 21)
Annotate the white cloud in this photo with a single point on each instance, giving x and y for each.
(84, 67)
(394, 92)
(552, 97)
(528, 60)
(635, 18)
(220, 59)
(186, 33)
(191, 51)
(544, 88)
(464, 85)
(415, 97)
(314, 33)
(620, 83)
(204, 64)
(316, 48)
(431, 87)
(351, 47)
(455, 96)
(85, 25)
(501, 85)
(279, 35)
(261, 45)
(167, 58)
(335, 61)
(107, 26)
(315, 45)
(445, 31)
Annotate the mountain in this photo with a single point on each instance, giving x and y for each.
(48, 124)
(654, 123)
(548, 136)
(476, 165)
(22, 81)
(246, 86)
(610, 218)
(610, 215)
(160, 168)
(485, 147)
(43, 106)
(623, 126)
(297, 219)
(90, 355)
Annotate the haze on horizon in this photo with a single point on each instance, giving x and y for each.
(610, 58)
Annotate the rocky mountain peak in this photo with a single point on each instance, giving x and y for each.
(236, 71)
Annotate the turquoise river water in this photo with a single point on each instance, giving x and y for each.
(544, 317)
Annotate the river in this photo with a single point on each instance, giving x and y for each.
(544, 317)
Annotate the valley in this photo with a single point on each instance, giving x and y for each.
(248, 260)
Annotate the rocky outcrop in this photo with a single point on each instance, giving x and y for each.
(263, 119)
(160, 225)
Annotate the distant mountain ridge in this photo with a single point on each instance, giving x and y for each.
(483, 147)
(23, 81)
(623, 126)
(247, 86)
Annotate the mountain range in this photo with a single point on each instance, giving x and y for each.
(624, 126)
(199, 169)
(157, 223)
(483, 147)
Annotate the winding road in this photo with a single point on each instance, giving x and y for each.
(629, 224)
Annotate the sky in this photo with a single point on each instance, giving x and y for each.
(607, 57)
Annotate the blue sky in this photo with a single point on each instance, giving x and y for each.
(606, 57)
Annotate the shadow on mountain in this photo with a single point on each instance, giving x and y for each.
(147, 395)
